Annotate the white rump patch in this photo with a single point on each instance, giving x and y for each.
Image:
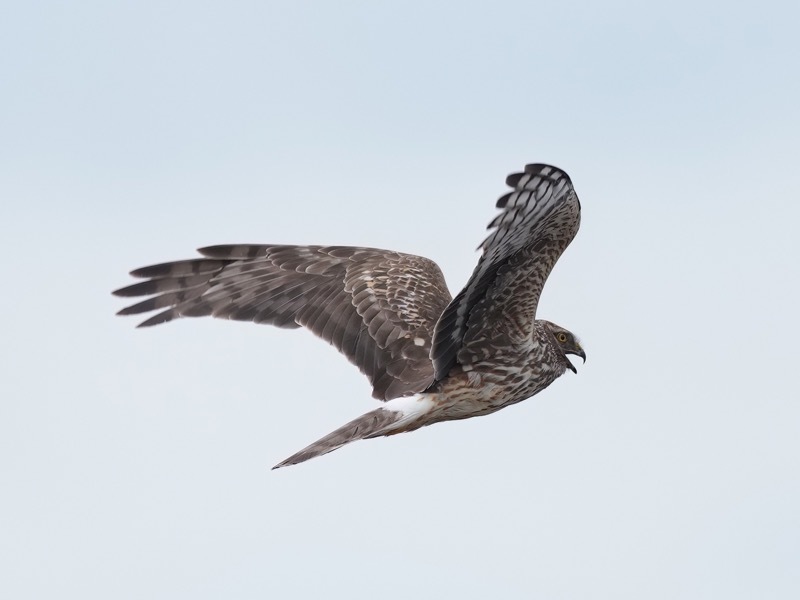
(410, 408)
(418, 341)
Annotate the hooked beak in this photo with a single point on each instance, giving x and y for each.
(570, 366)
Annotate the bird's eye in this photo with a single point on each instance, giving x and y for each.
(562, 337)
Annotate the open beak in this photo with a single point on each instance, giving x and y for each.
(570, 366)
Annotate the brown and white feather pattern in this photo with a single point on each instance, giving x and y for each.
(497, 306)
(377, 307)
(431, 359)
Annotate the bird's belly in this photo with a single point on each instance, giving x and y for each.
(475, 392)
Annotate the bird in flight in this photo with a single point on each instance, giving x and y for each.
(429, 357)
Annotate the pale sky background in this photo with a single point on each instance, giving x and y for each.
(135, 464)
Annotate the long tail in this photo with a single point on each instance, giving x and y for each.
(401, 414)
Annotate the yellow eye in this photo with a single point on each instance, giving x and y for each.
(562, 337)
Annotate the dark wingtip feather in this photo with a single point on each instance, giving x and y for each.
(181, 268)
(501, 203)
(546, 170)
(158, 270)
(162, 317)
(141, 307)
(513, 179)
(232, 251)
(142, 288)
(536, 169)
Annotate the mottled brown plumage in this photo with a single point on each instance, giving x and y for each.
(429, 357)
(376, 307)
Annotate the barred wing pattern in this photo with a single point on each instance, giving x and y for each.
(497, 307)
(377, 307)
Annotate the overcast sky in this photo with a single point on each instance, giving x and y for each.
(135, 464)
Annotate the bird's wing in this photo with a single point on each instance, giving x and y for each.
(377, 307)
(496, 308)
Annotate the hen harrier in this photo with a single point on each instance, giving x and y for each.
(430, 358)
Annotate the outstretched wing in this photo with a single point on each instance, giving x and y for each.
(498, 305)
(377, 307)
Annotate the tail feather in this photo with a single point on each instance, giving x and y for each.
(367, 425)
(396, 416)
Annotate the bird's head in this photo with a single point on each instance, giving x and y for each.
(567, 343)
